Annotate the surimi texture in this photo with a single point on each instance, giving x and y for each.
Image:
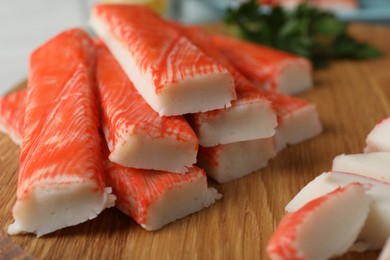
(12, 107)
(267, 67)
(154, 198)
(250, 117)
(171, 73)
(136, 135)
(297, 119)
(61, 179)
(228, 162)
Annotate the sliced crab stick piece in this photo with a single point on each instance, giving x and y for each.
(136, 135)
(170, 72)
(155, 198)
(12, 107)
(373, 165)
(377, 227)
(250, 117)
(385, 253)
(267, 67)
(227, 162)
(297, 119)
(379, 138)
(61, 175)
(323, 228)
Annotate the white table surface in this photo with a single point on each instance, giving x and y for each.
(26, 24)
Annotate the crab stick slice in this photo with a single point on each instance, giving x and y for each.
(250, 117)
(155, 198)
(377, 227)
(136, 135)
(379, 138)
(313, 231)
(227, 162)
(297, 119)
(12, 107)
(374, 165)
(267, 67)
(61, 175)
(385, 253)
(323, 228)
(170, 73)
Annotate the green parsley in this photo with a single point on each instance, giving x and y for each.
(305, 31)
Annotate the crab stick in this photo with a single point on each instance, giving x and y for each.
(297, 119)
(156, 198)
(385, 253)
(266, 67)
(323, 228)
(250, 117)
(376, 228)
(374, 165)
(136, 135)
(61, 175)
(227, 162)
(12, 107)
(379, 138)
(170, 72)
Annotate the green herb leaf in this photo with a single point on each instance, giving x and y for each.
(305, 31)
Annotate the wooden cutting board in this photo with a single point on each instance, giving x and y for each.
(350, 96)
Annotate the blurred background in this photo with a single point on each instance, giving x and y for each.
(24, 25)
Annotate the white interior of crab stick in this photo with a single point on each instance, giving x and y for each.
(60, 206)
(228, 162)
(323, 228)
(379, 138)
(298, 126)
(245, 120)
(294, 78)
(373, 165)
(377, 227)
(196, 94)
(145, 152)
(179, 202)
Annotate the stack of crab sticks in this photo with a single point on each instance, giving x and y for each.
(137, 118)
(367, 230)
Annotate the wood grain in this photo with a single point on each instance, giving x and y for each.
(351, 97)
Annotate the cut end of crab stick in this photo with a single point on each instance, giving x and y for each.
(298, 120)
(377, 227)
(323, 228)
(46, 210)
(171, 73)
(248, 119)
(137, 136)
(293, 77)
(378, 140)
(12, 108)
(228, 162)
(159, 153)
(374, 165)
(154, 198)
